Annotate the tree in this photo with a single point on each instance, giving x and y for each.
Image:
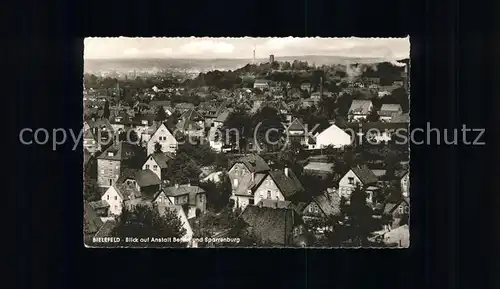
(145, 221)
(373, 115)
(359, 217)
(91, 191)
(106, 113)
(237, 129)
(183, 169)
(161, 115)
(218, 194)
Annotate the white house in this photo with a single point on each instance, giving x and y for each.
(387, 111)
(165, 138)
(117, 194)
(360, 109)
(332, 136)
(158, 163)
(362, 176)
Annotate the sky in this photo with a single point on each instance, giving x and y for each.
(205, 48)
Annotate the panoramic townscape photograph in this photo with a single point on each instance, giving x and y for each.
(246, 142)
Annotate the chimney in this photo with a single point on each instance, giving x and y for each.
(286, 171)
(176, 185)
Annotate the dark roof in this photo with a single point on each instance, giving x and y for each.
(146, 178)
(328, 203)
(275, 204)
(296, 125)
(121, 151)
(254, 163)
(365, 175)
(389, 206)
(160, 103)
(92, 221)
(183, 190)
(126, 191)
(161, 159)
(271, 225)
(288, 185)
(101, 204)
(106, 229)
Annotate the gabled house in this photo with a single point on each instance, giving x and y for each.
(331, 136)
(102, 130)
(278, 185)
(192, 198)
(387, 111)
(165, 138)
(113, 160)
(362, 176)
(90, 142)
(117, 194)
(244, 173)
(359, 109)
(397, 213)
(321, 206)
(275, 226)
(146, 182)
(297, 132)
(158, 163)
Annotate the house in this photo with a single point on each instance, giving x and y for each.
(145, 181)
(362, 176)
(158, 163)
(399, 237)
(397, 213)
(297, 132)
(243, 173)
(321, 206)
(387, 111)
(102, 131)
(101, 207)
(359, 109)
(278, 185)
(275, 226)
(319, 169)
(113, 160)
(402, 118)
(191, 123)
(331, 136)
(192, 198)
(405, 184)
(261, 84)
(117, 194)
(165, 138)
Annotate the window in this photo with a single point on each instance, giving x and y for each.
(401, 209)
(110, 182)
(201, 198)
(235, 182)
(261, 194)
(351, 181)
(268, 194)
(155, 167)
(116, 198)
(250, 201)
(107, 197)
(147, 167)
(116, 208)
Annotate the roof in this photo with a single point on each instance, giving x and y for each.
(92, 221)
(146, 178)
(319, 166)
(379, 173)
(262, 81)
(188, 125)
(192, 114)
(275, 204)
(389, 109)
(365, 175)
(288, 185)
(183, 190)
(328, 203)
(246, 185)
(296, 125)
(402, 118)
(106, 229)
(254, 163)
(399, 235)
(223, 116)
(126, 191)
(389, 207)
(120, 151)
(101, 204)
(360, 106)
(161, 159)
(184, 105)
(270, 225)
(160, 103)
